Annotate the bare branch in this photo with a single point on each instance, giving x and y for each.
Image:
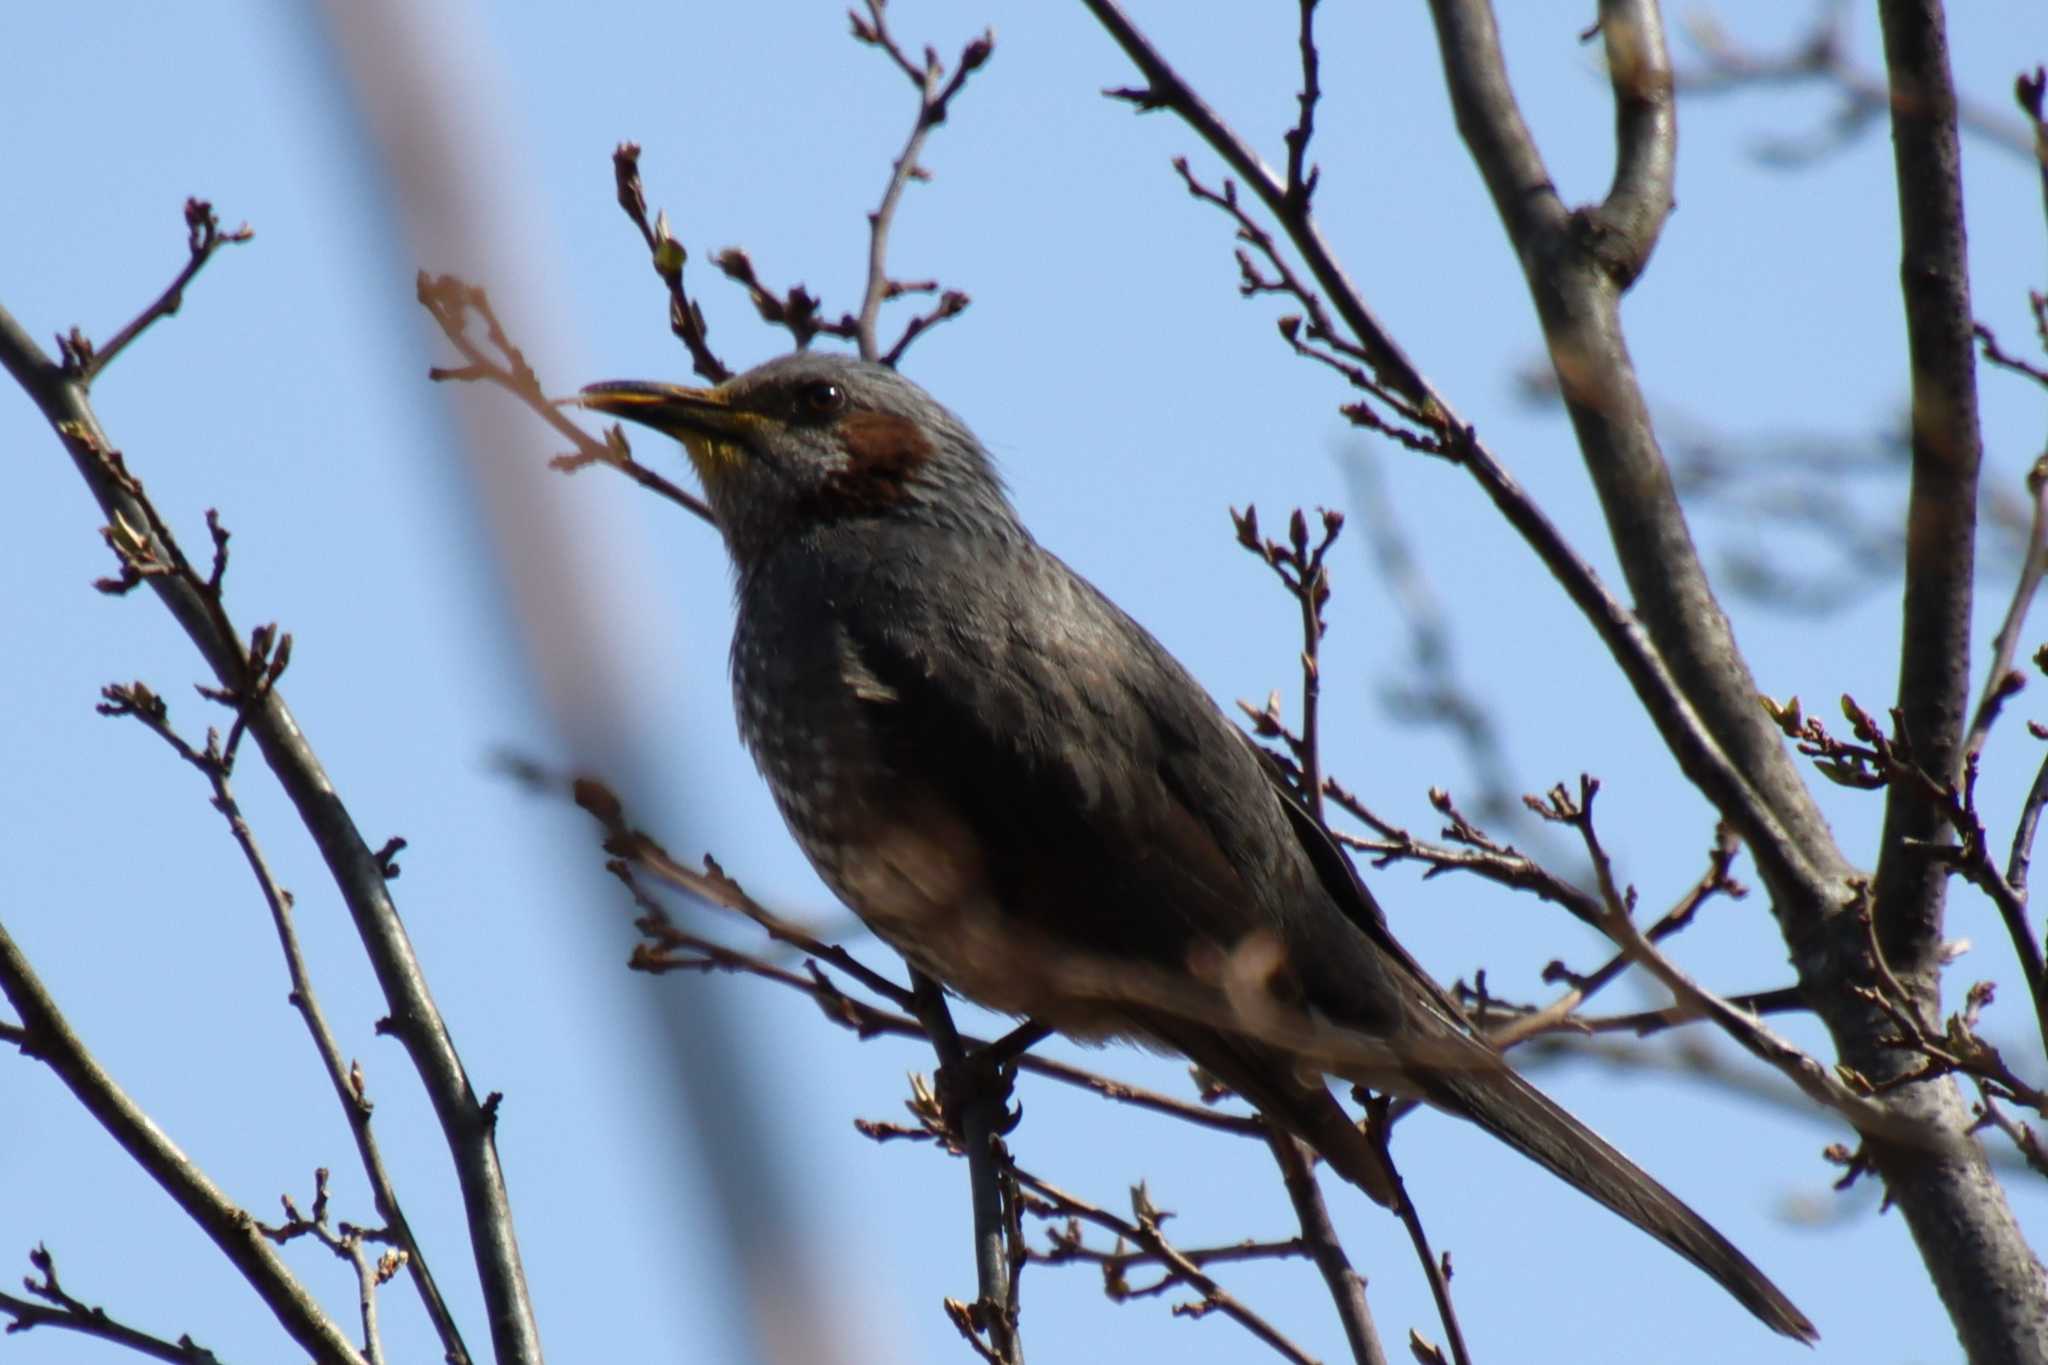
(1319, 1236)
(1934, 644)
(668, 257)
(1767, 815)
(935, 97)
(1143, 1230)
(1645, 133)
(216, 763)
(450, 302)
(83, 362)
(1820, 56)
(150, 553)
(50, 1039)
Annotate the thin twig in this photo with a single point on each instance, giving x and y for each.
(216, 763)
(83, 361)
(59, 1309)
(1700, 752)
(1558, 1014)
(1301, 177)
(935, 94)
(347, 1243)
(148, 552)
(1143, 1230)
(668, 257)
(2003, 680)
(450, 302)
(1820, 1083)
(1302, 570)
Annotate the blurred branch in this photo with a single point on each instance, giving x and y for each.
(1433, 692)
(666, 947)
(1820, 56)
(1790, 496)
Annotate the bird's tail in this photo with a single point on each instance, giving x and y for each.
(1520, 1115)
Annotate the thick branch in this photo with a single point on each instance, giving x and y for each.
(1941, 512)
(1989, 1280)
(1576, 264)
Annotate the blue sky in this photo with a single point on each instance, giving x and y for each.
(449, 602)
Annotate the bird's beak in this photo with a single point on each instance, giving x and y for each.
(669, 408)
(713, 431)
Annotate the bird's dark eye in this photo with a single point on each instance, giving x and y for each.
(821, 398)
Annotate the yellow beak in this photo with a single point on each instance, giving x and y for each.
(669, 408)
(711, 429)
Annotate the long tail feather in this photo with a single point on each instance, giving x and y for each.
(1524, 1118)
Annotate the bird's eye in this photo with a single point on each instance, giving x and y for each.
(820, 399)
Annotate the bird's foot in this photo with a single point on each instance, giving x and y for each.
(982, 1079)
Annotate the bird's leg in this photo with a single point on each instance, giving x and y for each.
(982, 1077)
(1014, 1044)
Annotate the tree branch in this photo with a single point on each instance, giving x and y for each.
(148, 548)
(60, 1309)
(1803, 870)
(216, 762)
(935, 96)
(51, 1040)
(1346, 1286)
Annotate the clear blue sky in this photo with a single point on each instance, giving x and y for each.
(1131, 397)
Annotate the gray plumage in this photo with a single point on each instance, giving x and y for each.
(1018, 787)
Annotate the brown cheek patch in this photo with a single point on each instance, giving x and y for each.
(883, 451)
(882, 445)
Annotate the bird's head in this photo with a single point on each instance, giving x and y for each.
(811, 439)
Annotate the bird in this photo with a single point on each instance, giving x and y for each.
(1015, 785)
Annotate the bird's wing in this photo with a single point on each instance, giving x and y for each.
(1117, 816)
(1115, 810)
